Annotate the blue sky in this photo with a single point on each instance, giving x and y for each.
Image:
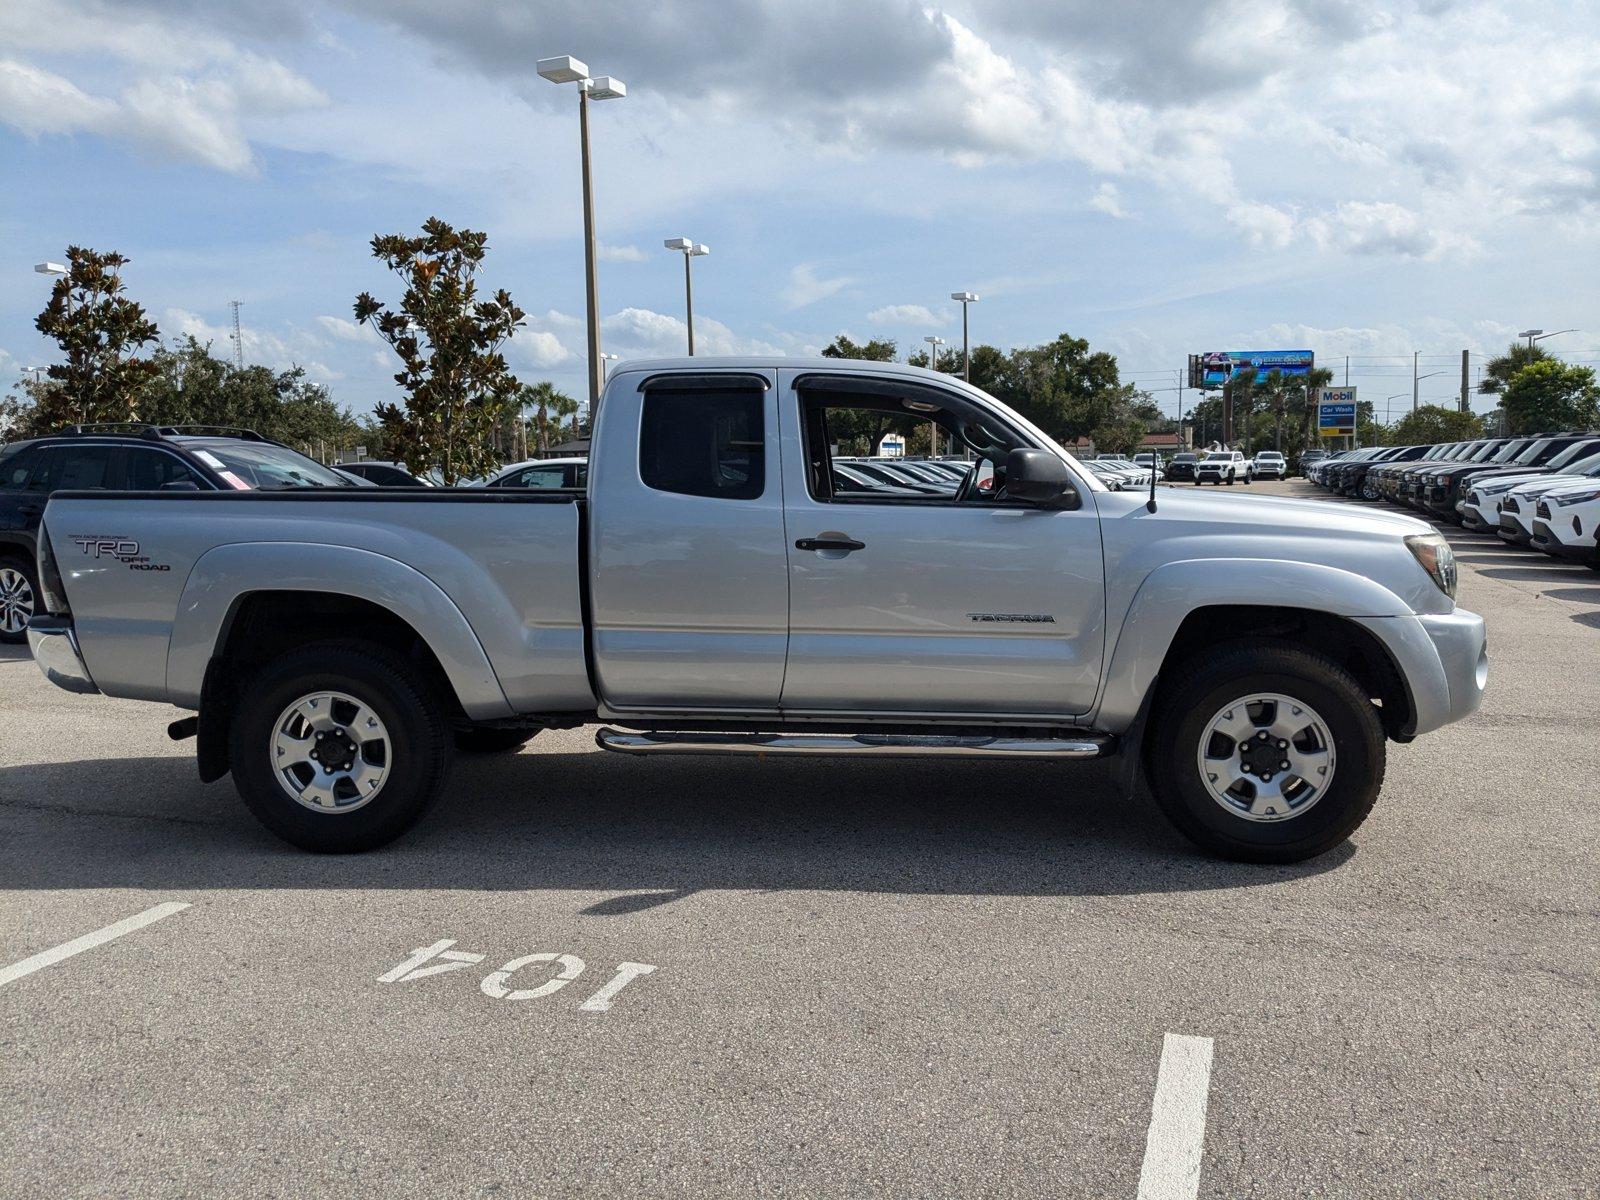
(1158, 176)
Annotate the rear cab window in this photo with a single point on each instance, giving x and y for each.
(704, 443)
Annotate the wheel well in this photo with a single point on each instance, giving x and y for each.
(264, 625)
(1348, 644)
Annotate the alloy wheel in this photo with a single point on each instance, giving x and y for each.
(331, 752)
(1266, 757)
(16, 600)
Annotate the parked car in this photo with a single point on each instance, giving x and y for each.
(1269, 464)
(1567, 520)
(1222, 466)
(1181, 467)
(545, 474)
(384, 474)
(1310, 457)
(1517, 506)
(126, 458)
(1479, 507)
(1446, 486)
(713, 592)
(1150, 461)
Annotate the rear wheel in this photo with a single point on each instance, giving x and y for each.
(339, 746)
(1265, 753)
(19, 591)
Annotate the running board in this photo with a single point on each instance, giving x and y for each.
(884, 745)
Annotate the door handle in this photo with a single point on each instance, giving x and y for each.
(829, 544)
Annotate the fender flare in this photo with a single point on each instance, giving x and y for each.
(224, 575)
(1171, 592)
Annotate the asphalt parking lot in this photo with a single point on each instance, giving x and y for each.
(903, 979)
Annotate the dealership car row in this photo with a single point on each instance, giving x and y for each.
(1541, 490)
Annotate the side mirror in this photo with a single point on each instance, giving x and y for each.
(1038, 477)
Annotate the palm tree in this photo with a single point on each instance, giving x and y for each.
(552, 408)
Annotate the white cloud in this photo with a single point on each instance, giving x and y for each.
(644, 333)
(1360, 227)
(807, 287)
(538, 348)
(919, 315)
(349, 331)
(263, 346)
(1106, 199)
(620, 254)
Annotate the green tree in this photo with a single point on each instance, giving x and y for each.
(1500, 369)
(191, 386)
(877, 350)
(1549, 395)
(1433, 423)
(100, 332)
(552, 409)
(459, 393)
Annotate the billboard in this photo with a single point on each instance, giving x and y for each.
(1336, 411)
(1215, 367)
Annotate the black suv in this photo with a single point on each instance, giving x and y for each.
(126, 458)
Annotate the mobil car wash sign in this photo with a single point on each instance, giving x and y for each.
(1336, 411)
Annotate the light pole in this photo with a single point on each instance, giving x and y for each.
(1416, 379)
(608, 359)
(966, 298)
(1539, 335)
(566, 69)
(1386, 400)
(933, 426)
(691, 250)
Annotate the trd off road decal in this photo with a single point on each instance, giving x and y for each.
(121, 549)
(1017, 618)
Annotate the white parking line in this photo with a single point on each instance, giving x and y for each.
(48, 958)
(1176, 1142)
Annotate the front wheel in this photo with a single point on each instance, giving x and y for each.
(1265, 753)
(339, 747)
(1230, 480)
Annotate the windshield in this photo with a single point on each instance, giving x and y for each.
(1508, 452)
(263, 466)
(1269, 454)
(1184, 458)
(1579, 449)
(1219, 457)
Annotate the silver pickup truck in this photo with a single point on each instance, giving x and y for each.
(719, 589)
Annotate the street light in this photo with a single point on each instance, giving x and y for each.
(1539, 335)
(566, 69)
(609, 358)
(690, 250)
(965, 298)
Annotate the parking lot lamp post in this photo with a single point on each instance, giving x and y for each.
(933, 365)
(691, 250)
(608, 359)
(966, 298)
(1539, 335)
(1386, 400)
(1416, 379)
(566, 69)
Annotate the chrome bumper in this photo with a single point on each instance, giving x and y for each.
(55, 649)
(1443, 659)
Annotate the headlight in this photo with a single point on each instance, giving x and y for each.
(1437, 559)
(1582, 497)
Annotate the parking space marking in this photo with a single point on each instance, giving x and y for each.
(1176, 1142)
(48, 958)
(441, 960)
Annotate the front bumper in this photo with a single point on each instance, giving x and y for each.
(1443, 659)
(1512, 529)
(1545, 538)
(1481, 516)
(55, 649)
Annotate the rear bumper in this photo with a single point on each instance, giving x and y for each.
(55, 649)
(1444, 661)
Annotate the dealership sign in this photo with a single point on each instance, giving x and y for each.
(1215, 368)
(1336, 411)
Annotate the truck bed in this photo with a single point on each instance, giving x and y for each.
(153, 577)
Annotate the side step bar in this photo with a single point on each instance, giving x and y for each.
(883, 745)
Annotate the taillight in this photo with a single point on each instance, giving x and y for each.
(53, 595)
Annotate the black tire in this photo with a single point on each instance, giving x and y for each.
(26, 601)
(488, 740)
(419, 738)
(1187, 703)
(1230, 480)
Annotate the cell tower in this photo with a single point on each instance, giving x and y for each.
(237, 337)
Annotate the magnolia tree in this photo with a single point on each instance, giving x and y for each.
(101, 334)
(459, 393)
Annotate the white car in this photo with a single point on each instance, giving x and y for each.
(1150, 462)
(1268, 464)
(1566, 520)
(563, 474)
(1484, 505)
(1514, 510)
(1132, 474)
(1223, 466)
